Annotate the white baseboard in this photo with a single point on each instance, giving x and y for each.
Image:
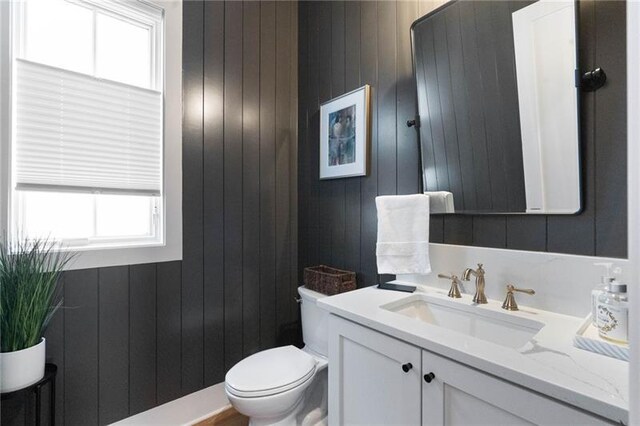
(188, 410)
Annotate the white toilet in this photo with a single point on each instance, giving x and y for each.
(286, 385)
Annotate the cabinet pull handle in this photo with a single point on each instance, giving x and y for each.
(429, 377)
(406, 367)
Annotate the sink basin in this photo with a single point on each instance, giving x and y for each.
(496, 327)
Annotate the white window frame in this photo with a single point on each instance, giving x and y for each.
(91, 257)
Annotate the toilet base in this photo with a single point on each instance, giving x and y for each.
(288, 419)
(309, 410)
(305, 405)
(313, 411)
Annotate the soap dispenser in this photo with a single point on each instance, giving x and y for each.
(601, 288)
(613, 313)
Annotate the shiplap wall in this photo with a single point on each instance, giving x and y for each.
(132, 337)
(343, 45)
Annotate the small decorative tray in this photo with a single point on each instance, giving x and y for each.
(587, 338)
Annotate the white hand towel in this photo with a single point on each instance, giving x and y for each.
(440, 201)
(403, 234)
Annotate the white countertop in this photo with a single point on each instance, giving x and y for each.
(548, 364)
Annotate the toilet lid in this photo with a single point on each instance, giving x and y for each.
(270, 372)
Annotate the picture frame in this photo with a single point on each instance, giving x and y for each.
(345, 135)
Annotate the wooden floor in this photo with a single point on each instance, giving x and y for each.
(228, 417)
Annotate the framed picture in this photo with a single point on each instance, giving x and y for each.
(344, 135)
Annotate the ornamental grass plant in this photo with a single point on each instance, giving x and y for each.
(30, 290)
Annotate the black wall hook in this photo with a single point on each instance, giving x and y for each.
(414, 123)
(593, 80)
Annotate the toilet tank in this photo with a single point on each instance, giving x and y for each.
(315, 321)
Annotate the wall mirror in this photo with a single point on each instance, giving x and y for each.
(498, 107)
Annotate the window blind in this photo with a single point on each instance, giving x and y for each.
(79, 133)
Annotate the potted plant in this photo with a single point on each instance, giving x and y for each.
(30, 294)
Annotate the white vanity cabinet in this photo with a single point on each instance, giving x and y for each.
(375, 379)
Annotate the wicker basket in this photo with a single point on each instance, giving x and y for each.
(329, 281)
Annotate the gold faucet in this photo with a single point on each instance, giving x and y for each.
(479, 297)
(510, 301)
(454, 291)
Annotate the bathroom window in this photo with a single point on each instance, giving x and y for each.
(88, 149)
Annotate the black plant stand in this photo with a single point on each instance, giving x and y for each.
(24, 396)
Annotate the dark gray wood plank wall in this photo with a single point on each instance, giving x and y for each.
(192, 342)
(133, 337)
(214, 224)
(267, 173)
(143, 314)
(80, 318)
(168, 332)
(370, 44)
(113, 344)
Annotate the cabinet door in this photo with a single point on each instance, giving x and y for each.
(374, 379)
(460, 395)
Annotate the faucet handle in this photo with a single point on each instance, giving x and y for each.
(511, 288)
(454, 291)
(510, 301)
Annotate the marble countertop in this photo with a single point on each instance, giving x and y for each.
(548, 364)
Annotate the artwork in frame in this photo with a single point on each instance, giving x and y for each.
(344, 135)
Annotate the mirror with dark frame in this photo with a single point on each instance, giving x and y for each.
(498, 107)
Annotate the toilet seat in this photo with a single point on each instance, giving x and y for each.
(270, 372)
(272, 391)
